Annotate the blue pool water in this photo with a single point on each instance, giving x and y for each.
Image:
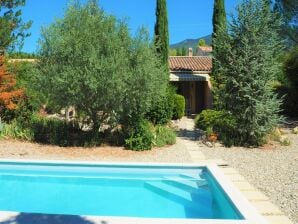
(101, 190)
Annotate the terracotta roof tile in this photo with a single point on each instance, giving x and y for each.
(195, 63)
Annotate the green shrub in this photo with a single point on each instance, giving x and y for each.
(213, 118)
(15, 130)
(141, 137)
(220, 122)
(59, 132)
(164, 136)
(161, 111)
(179, 107)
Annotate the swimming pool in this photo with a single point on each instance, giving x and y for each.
(176, 192)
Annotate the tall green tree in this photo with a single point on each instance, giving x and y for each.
(247, 61)
(88, 60)
(219, 22)
(12, 28)
(162, 31)
(219, 18)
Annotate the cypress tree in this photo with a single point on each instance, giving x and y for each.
(161, 31)
(219, 17)
(219, 21)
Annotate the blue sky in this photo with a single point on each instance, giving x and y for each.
(187, 18)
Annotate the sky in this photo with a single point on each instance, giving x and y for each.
(187, 18)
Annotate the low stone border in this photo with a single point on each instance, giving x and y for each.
(268, 210)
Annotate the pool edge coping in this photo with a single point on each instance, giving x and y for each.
(249, 212)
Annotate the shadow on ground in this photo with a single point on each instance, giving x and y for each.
(192, 135)
(25, 218)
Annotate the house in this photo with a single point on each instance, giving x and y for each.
(204, 51)
(191, 76)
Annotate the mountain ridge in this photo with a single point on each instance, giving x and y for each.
(187, 43)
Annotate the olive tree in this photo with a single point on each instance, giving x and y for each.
(89, 60)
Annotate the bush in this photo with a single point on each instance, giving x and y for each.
(15, 130)
(141, 137)
(164, 136)
(161, 111)
(220, 122)
(179, 107)
(214, 119)
(58, 132)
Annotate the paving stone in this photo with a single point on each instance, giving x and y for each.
(228, 170)
(266, 208)
(276, 219)
(235, 177)
(255, 196)
(244, 186)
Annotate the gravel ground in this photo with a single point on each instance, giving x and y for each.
(272, 169)
(13, 149)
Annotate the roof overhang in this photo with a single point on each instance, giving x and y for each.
(186, 76)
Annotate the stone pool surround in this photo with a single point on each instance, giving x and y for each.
(250, 213)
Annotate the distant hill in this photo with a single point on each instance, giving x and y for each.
(191, 42)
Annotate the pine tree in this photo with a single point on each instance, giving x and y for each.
(161, 31)
(13, 29)
(248, 65)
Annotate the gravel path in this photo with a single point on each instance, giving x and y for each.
(12, 149)
(272, 169)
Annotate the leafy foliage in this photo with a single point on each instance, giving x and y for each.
(161, 111)
(179, 107)
(202, 43)
(164, 136)
(15, 130)
(58, 132)
(221, 122)
(10, 96)
(214, 119)
(141, 137)
(288, 9)
(13, 29)
(89, 61)
(22, 55)
(248, 65)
